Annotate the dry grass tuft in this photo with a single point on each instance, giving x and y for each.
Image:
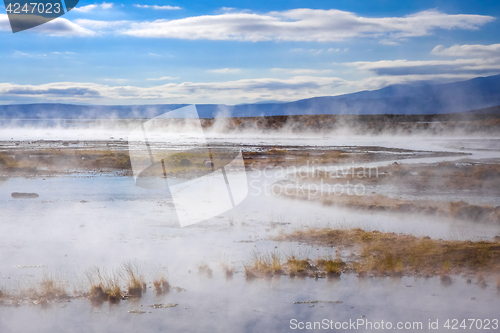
(136, 283)
(3, 294)
(297, 266)
(50, 288)
(161, 285)
(204, 269)
(227, 269)
(334, 267)
(264, 264)
(390, 253)
(103, 287)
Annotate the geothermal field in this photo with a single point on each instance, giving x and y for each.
(330, 228)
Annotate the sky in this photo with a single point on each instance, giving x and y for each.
(239, 52)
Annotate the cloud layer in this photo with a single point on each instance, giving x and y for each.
(468, 51)
(298, 25)
(186, 92)
(303, 25)
(156, 7)
(89, 8)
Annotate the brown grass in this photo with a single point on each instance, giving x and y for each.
(390, 253)
(297, 266)
(136, 282)
(161, 285)
(103, 287)
(227, 269)
(264, 264)
(3, 294)
(378, 202)
(334, 267)
(204, 269)
(48, 289)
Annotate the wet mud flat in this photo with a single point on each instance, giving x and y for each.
(448, 189)
(52, 244)
(45, 157)
(268, 303)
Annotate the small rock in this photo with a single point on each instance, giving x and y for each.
(20, 195)
(185, 162)
(163, 306)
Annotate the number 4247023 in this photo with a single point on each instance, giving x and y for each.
(476, 324)
(34, 8)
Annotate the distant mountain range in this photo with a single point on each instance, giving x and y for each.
(478, 93)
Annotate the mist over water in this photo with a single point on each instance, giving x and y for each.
(89, 219)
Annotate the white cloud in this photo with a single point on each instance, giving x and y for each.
(19, 54)
(163, 78)
(245, 90)
(117, 80)
(310, 25)
(225, 71)
(388, 42)
(312, 51)
(156, 7)
(338, 49)
(468, 51)
(88, 8)
(304, 25)
(29, 55)
(101, 25)
(57, 27)
(428, 67)
(84, 9)
(300, 71)
(228, 92)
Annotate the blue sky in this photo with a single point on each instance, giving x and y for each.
(242, 52)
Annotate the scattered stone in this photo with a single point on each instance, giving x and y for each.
(163, 306)
(185, 162)
(446, 280)
(315, 302)
(20, 195)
